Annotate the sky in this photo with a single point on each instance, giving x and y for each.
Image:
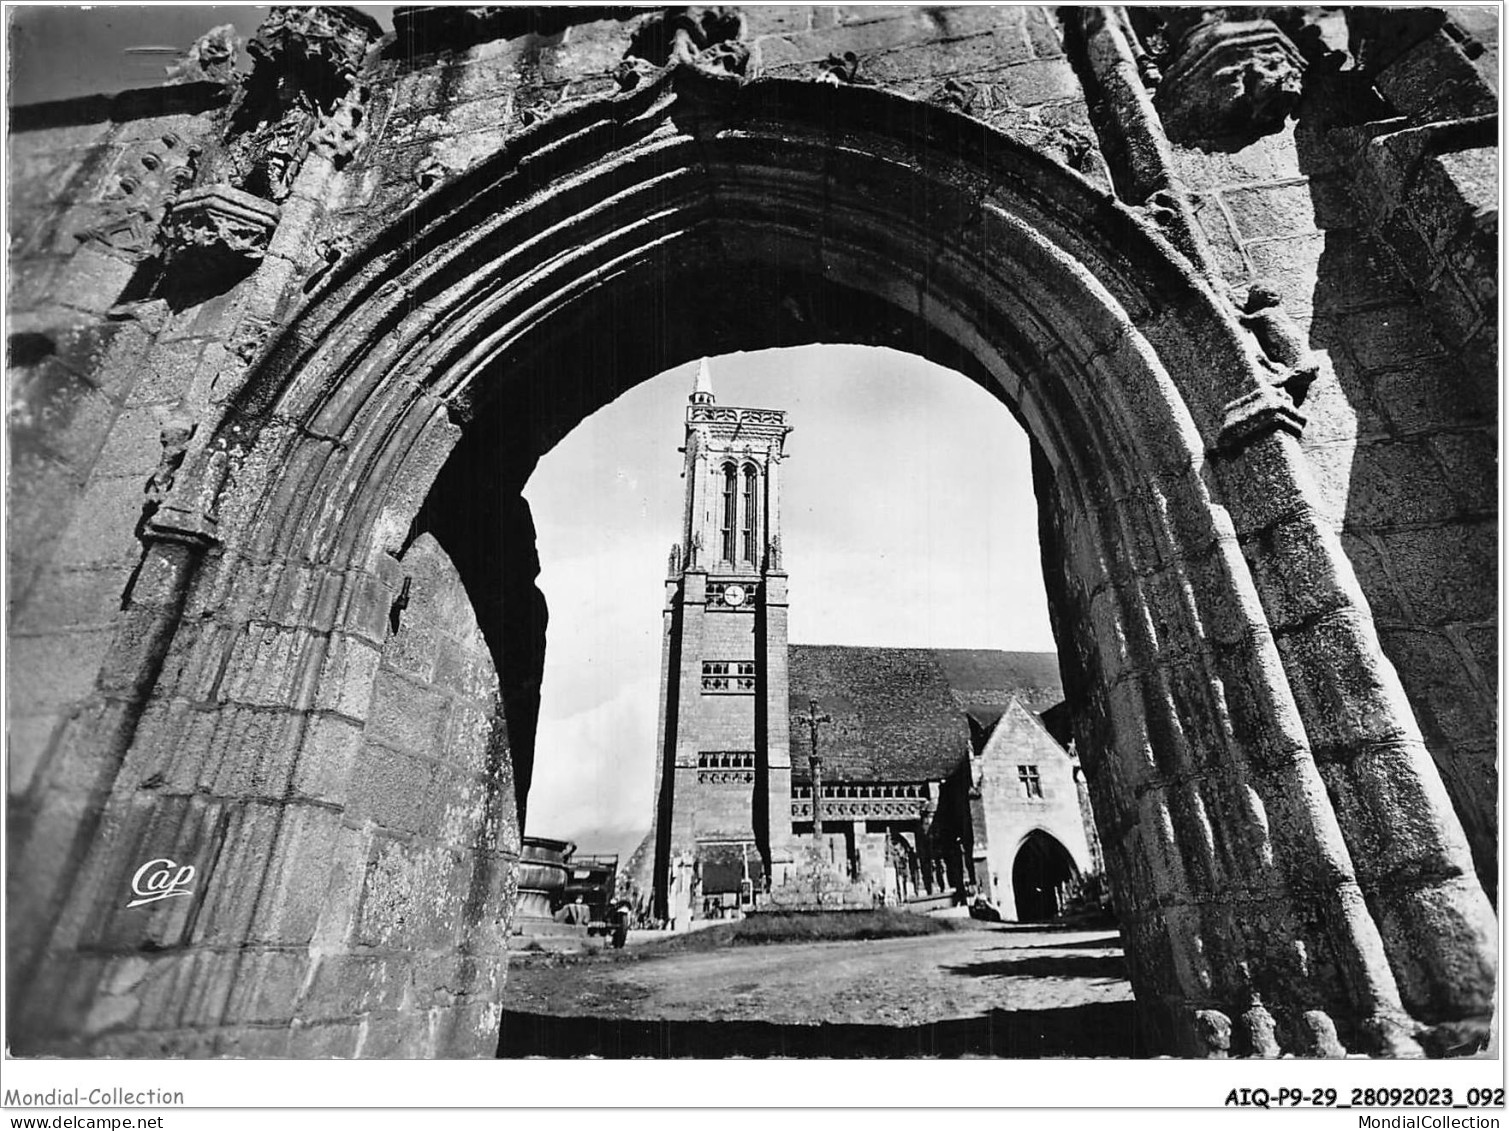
(908, 519)
(65, 50)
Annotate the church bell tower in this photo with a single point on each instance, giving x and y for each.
(723, 770)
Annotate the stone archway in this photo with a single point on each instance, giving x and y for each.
(1040, 871)
(695, 216)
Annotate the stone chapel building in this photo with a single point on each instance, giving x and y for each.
(933, 771)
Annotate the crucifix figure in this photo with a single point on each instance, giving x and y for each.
(814, 720)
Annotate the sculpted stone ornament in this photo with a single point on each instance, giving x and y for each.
(1212, 1034)
(1291, 367)
(540, 106)
(708, 39)
(956, 95)
(1318, 1035)
(330, 252)
(318, 44)
(185, 510)
(1256, 414)
(128, 232)
(1227, 78)
(843, 70)
(341, 132)
(430, 171)
(1162, 208)
(135, 199)
(1283, 345)
(249, 338)
(1260, 1032)
(1075, 148)
(211, 58)
(175, 436)
(303, 94)
(218, 231)
(632, 72)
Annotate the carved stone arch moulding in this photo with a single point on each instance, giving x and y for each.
(1208, 618)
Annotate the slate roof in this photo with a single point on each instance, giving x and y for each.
(903, 714)
(984, 682)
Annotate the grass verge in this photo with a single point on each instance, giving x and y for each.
(807, 926)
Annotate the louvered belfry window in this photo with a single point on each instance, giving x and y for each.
(750, 516)
(730, 519)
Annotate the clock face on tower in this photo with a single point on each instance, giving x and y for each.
(733, 596)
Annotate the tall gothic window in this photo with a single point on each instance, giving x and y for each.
(730, 520)
(749, 515)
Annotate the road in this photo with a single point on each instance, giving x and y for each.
(1001, 990)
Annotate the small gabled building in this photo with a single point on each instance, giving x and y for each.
(1028, 817)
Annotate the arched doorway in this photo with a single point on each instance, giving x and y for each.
(430, 368)
(1040, 877)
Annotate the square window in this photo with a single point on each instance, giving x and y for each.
(1032, 784)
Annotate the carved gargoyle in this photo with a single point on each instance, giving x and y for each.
(1294, 365)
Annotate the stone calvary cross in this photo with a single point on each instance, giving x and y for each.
(814, 720)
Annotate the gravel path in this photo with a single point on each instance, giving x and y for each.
(987, 990)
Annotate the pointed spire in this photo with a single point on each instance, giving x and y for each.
(702, 390)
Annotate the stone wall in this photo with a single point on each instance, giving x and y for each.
(444, 110)
(89, 425)
(429, 828)
(725, 722)
(245, 390)
(1377, 244)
